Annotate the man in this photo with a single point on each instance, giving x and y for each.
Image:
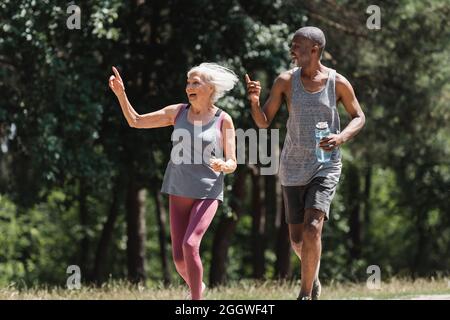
(311, 93)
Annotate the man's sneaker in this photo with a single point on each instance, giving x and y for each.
(316, 289)
(315, 293)
(305, 298)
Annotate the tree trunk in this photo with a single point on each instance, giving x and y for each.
(258, 225)
(367, 202)
(107, 235)
(283, 245)
(162, 235)
(84, 215)
(354, 206)
(135, 207)
(419, 255)
(225, 230)
(420, 210)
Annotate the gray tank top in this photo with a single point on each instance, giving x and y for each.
(298, 163)
(190, 175)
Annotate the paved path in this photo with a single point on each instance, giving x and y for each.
(432, 297)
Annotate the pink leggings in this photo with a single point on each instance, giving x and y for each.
(189, 219)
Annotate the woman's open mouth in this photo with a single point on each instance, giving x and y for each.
(192, 95)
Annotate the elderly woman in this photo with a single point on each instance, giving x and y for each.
(194, 177)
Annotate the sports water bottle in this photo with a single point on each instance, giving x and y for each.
(322, 131)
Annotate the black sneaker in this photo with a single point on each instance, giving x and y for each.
(315, 292)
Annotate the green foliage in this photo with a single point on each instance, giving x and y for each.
(62, 131)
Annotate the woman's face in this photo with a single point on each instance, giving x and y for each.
(197, 89)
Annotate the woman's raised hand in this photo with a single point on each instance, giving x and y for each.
(116, 83)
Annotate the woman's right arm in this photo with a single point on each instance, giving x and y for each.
(161, 118)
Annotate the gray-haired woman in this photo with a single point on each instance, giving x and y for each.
(203, 150)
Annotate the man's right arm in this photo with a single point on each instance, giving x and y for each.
(263, 117)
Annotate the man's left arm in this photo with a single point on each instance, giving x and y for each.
(346, 95)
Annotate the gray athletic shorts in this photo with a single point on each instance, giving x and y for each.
(317, 194)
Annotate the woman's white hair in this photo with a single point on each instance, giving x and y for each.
(223, 79)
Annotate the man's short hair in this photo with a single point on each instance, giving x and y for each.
(314, 34)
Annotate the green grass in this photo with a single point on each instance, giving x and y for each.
(243, 290)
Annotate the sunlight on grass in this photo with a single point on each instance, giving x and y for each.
(242, 290)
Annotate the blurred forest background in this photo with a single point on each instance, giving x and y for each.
(80, 187)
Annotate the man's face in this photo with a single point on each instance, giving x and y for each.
(302, 50)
